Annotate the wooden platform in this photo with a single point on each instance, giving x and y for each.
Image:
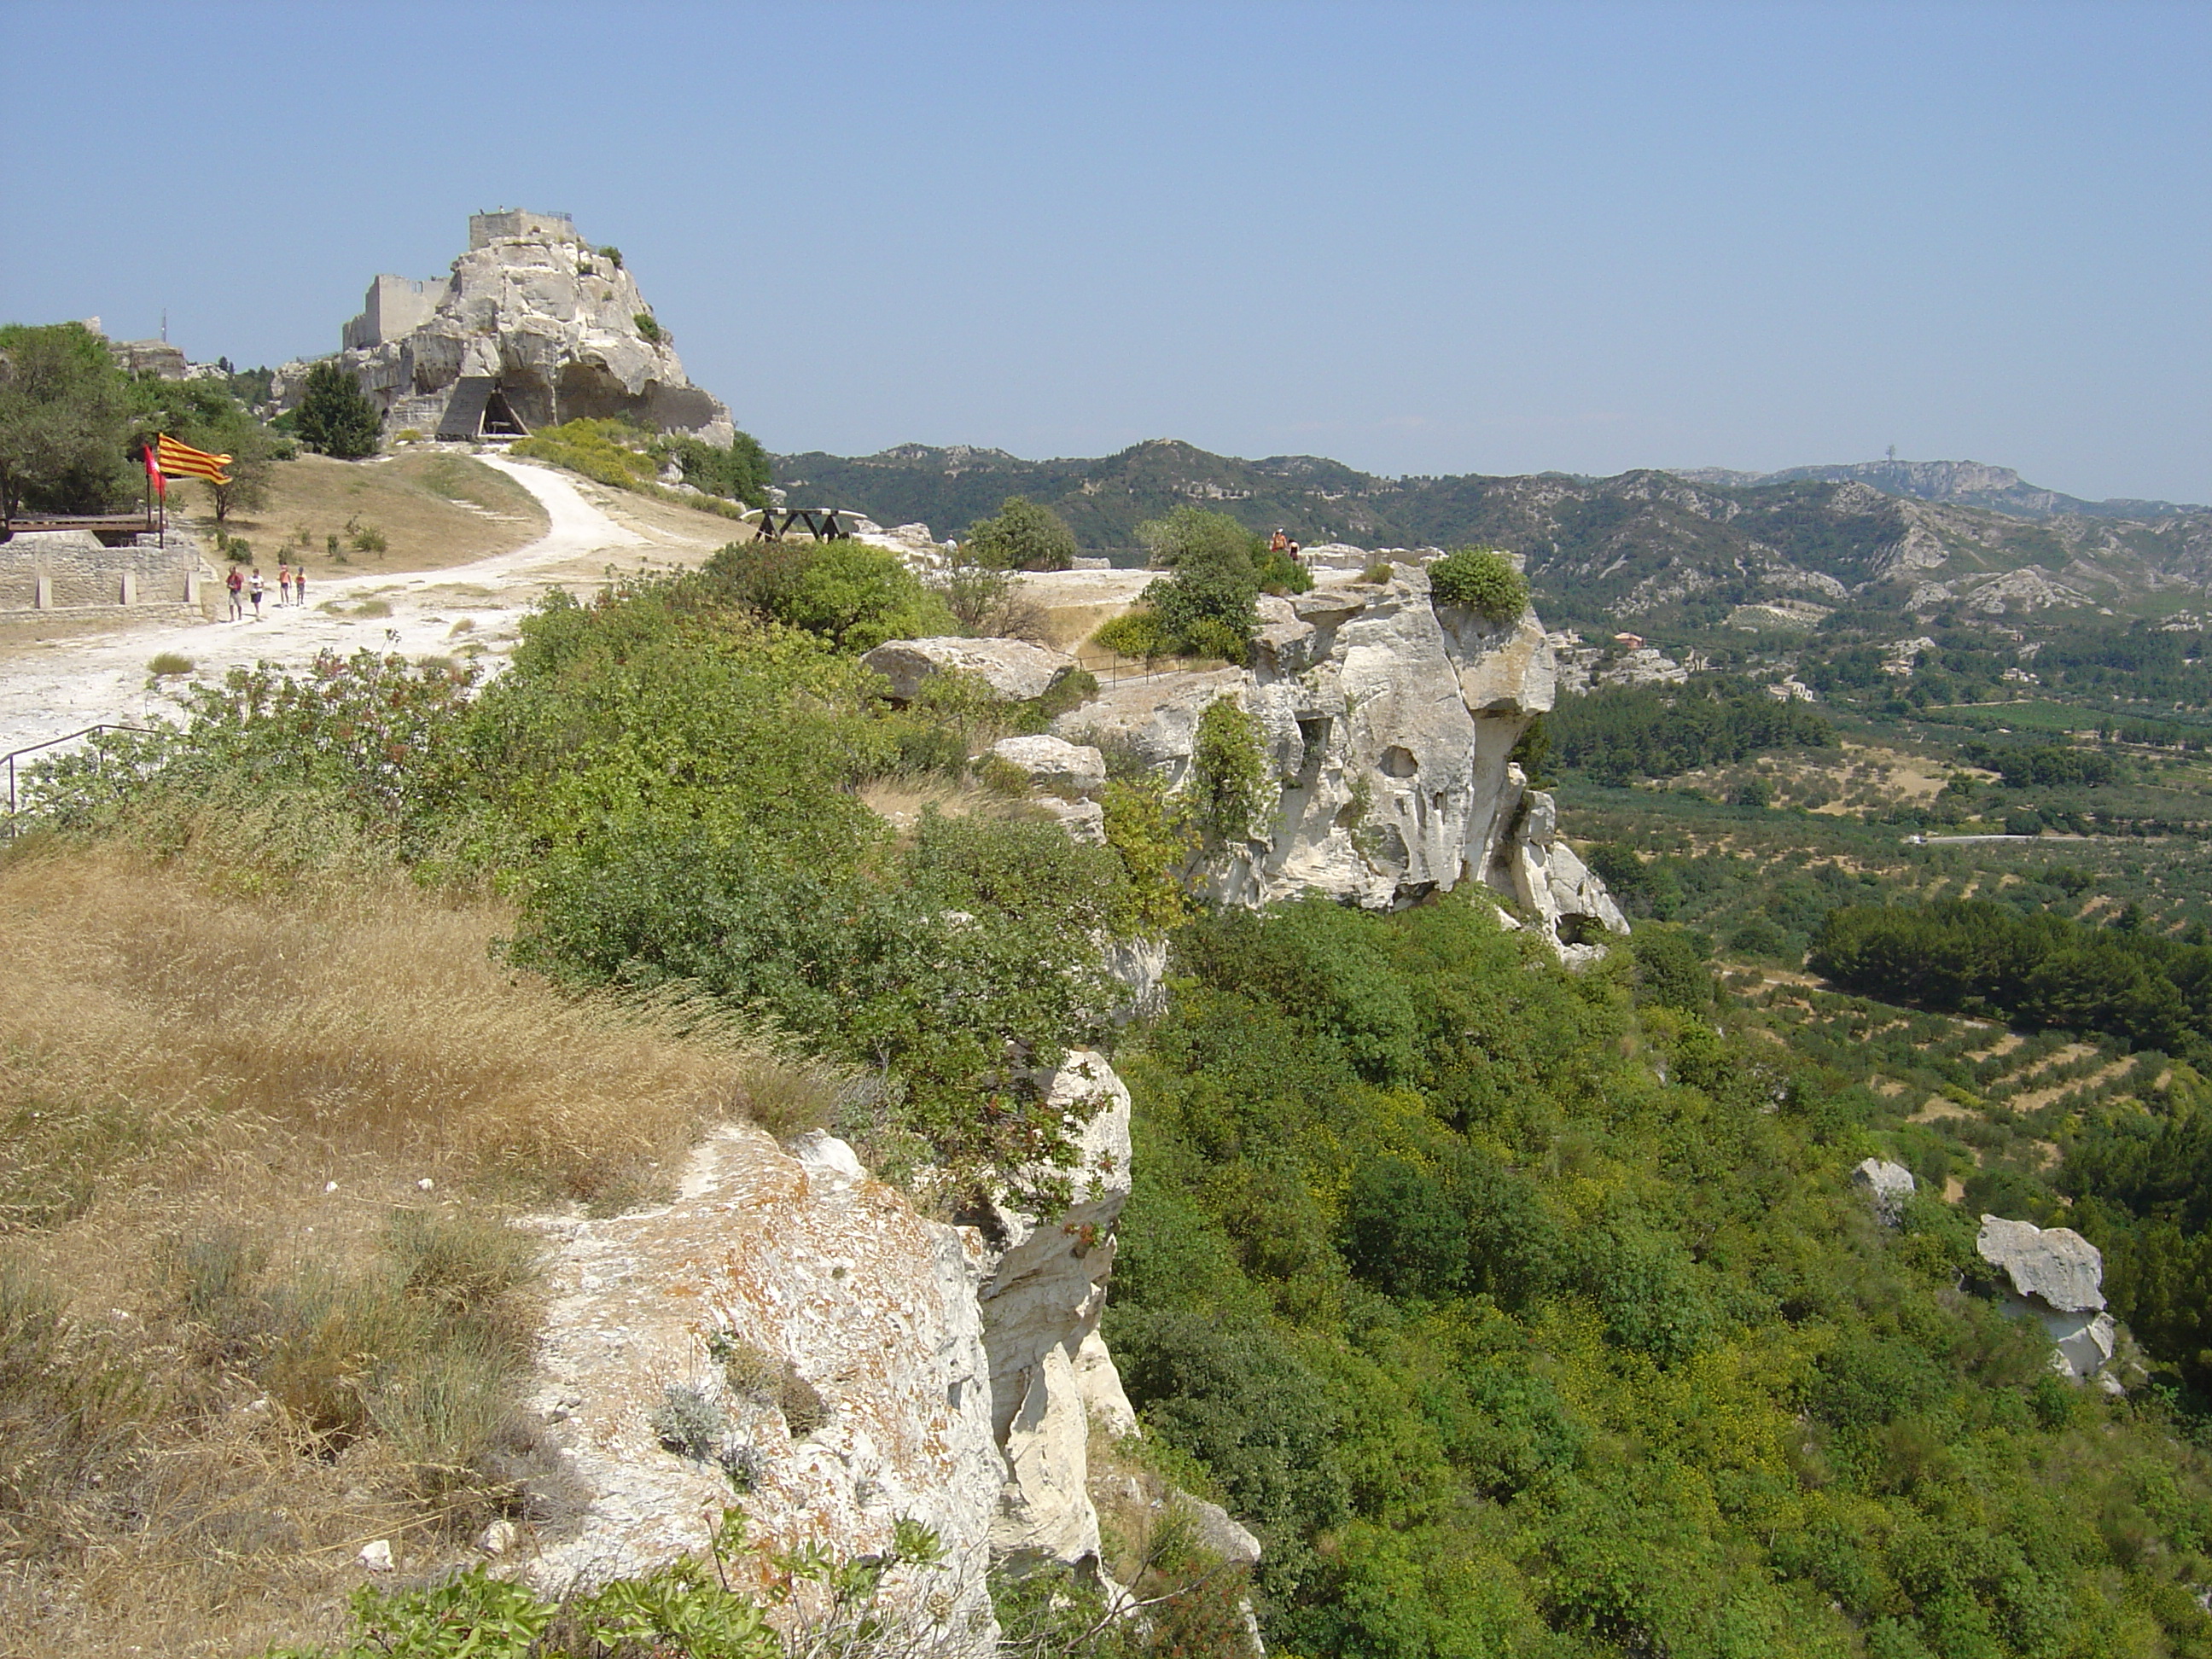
(101, 524)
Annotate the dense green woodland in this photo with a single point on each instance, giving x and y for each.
(1519, 1312)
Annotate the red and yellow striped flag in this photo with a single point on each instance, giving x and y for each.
(181, 460)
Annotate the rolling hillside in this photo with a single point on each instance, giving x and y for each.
(1662, 549)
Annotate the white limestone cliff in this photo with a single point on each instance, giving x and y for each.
(956, 1368)
(534, 326)
(1050, 1372)
(1388, 724)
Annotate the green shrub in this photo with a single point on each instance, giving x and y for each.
(606, 452)
(1482, 579)
(365, 538)
(1207, 604)
(613, 255)
(1379, 572)
(854, 595)
(165, 665)
(1022, 535)
(1149, 832)
(1230, 794)
(1135, 634)
(1671, 967)
(1278, 572)
(648, 327)
(739, 473)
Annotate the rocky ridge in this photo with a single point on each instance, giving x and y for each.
(1388, 724)
(1770, 550)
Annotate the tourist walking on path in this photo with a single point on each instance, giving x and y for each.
(236, 583)
(283, 582)
(257, 592)
(300, 585)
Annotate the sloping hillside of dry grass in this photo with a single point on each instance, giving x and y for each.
(432, 507)
(256, 1307)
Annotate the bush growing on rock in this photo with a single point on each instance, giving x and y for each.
(1230, 793)
(1207, 605)
(1483, 580)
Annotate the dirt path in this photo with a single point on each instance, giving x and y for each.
(64, 683)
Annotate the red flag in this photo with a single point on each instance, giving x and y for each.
(154, 474)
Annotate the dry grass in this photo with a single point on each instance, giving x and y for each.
(239, 1336)
(434, 509)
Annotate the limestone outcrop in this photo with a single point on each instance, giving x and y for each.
(1055, 763)
(1388, 724)
(836, 1361)
(1015, 670)
(1050, 1372)
(2055, 1276)
(534, 326)
(804, 1261)
(1886, 1186)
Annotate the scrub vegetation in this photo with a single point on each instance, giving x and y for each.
(1518, 1311)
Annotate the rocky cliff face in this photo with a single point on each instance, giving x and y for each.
(1389, 724)
(530, 330)
(789, 1336)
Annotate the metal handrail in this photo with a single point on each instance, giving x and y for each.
(1114, 669)
(53, 743)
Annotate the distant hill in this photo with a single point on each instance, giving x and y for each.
(1691, 551)
(1967, 484)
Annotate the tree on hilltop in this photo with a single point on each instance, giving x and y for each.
(336, 417)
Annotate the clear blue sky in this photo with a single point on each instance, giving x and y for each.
(1418, 238)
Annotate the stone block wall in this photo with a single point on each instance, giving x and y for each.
(72, 570)
(512, 224)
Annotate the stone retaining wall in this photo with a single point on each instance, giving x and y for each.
(73, 570)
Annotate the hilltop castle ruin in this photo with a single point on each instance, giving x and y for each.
(534, 326)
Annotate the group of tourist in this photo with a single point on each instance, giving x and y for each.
(1279, 542)
(291, 588)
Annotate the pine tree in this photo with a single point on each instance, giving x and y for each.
(336, 417)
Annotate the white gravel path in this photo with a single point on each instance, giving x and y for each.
(62, 684)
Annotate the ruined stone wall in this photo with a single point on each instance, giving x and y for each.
(514, 225)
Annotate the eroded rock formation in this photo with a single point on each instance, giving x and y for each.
(534, 326)
(1886, 1186)
(1388, 724)
(840, 1363)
